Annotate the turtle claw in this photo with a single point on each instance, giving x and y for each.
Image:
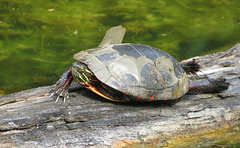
(65, 96)
(57, 99)
(59, 91)
(50, 96)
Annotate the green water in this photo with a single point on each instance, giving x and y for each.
(38, 38)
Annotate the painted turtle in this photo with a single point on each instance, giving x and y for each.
(132, 72)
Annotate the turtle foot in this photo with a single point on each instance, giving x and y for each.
(57, 92)
(191, 66)
(218, 84)
(60, 89)
(209, 85)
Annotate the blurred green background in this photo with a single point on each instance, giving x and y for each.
(39, 38)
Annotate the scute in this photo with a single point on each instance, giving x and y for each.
(137, 70)
(129, 50)
(121, 71)
(151, 78)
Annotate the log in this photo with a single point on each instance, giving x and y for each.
(30, 119)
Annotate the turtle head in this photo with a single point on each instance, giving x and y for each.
(81, 73)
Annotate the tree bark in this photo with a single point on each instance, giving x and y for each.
(30, 119)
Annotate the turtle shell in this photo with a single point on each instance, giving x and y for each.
(141, 72)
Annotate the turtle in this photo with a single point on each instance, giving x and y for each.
(123, 72)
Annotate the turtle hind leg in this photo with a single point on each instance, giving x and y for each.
(209, 85)
(190, 66)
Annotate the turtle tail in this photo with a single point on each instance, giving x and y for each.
(190, 66)
(209, 85)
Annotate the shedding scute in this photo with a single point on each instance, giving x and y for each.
(79, 55)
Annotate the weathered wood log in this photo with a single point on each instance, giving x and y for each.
(29, 118)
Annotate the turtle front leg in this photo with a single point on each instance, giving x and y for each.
(62, 85)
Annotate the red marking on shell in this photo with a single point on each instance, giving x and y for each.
(126, 93)
(152, 98)
(165, 98)
(139, 97)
